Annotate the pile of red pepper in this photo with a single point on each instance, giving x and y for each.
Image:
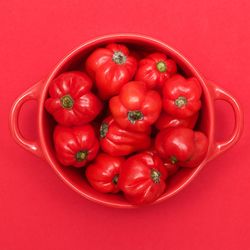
(128, 120)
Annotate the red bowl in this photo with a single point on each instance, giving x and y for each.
(43, 147)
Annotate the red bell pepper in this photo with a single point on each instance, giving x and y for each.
(103, 173)
(181, 146)
(167, 121)
(111, 68)
(181, 97)
(71, 103)
(155, 69)
(118, 142)
(75, 146)
(136, 107)
(142, 178)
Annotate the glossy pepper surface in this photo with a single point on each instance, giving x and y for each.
(168, 121)
(111, 67)
(117, 141)
(181, 97)
(142, 178)
(181, 146)
(71, 101)
(103, 173)
(136, 107)
(171, 168)
(75, 146)
(155, 69)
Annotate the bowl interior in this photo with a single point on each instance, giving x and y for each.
(75, 61)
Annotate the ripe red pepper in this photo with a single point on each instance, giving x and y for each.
(181, 97)
(75, 146)
(142, 178)
(111, 67)
(181, 146)
(136, 107)
(103, 173)
(167, 121)
(119, 142)
(155, 69)
(71, 103)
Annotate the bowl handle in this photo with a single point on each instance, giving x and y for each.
(219, 94)
(32, 93)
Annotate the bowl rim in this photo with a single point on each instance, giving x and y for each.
(119, 37)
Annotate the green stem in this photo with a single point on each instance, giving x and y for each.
(67, 102)
(173, 159)
(104, 129)
(180, 101)
(134, 116)
(155, 175)
(161, 66)
(81, 155)
(119, 57)
(115, 179)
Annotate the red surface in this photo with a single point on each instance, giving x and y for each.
(37, 211)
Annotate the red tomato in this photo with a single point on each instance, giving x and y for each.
(181, 146)
(142, 178)
(111, 68)
(118, 142)
(155, 69)
(75, 146)
(136, 107)
(181, 97)
(71, 103)
(103, 173)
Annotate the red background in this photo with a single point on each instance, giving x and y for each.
(37, 211)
